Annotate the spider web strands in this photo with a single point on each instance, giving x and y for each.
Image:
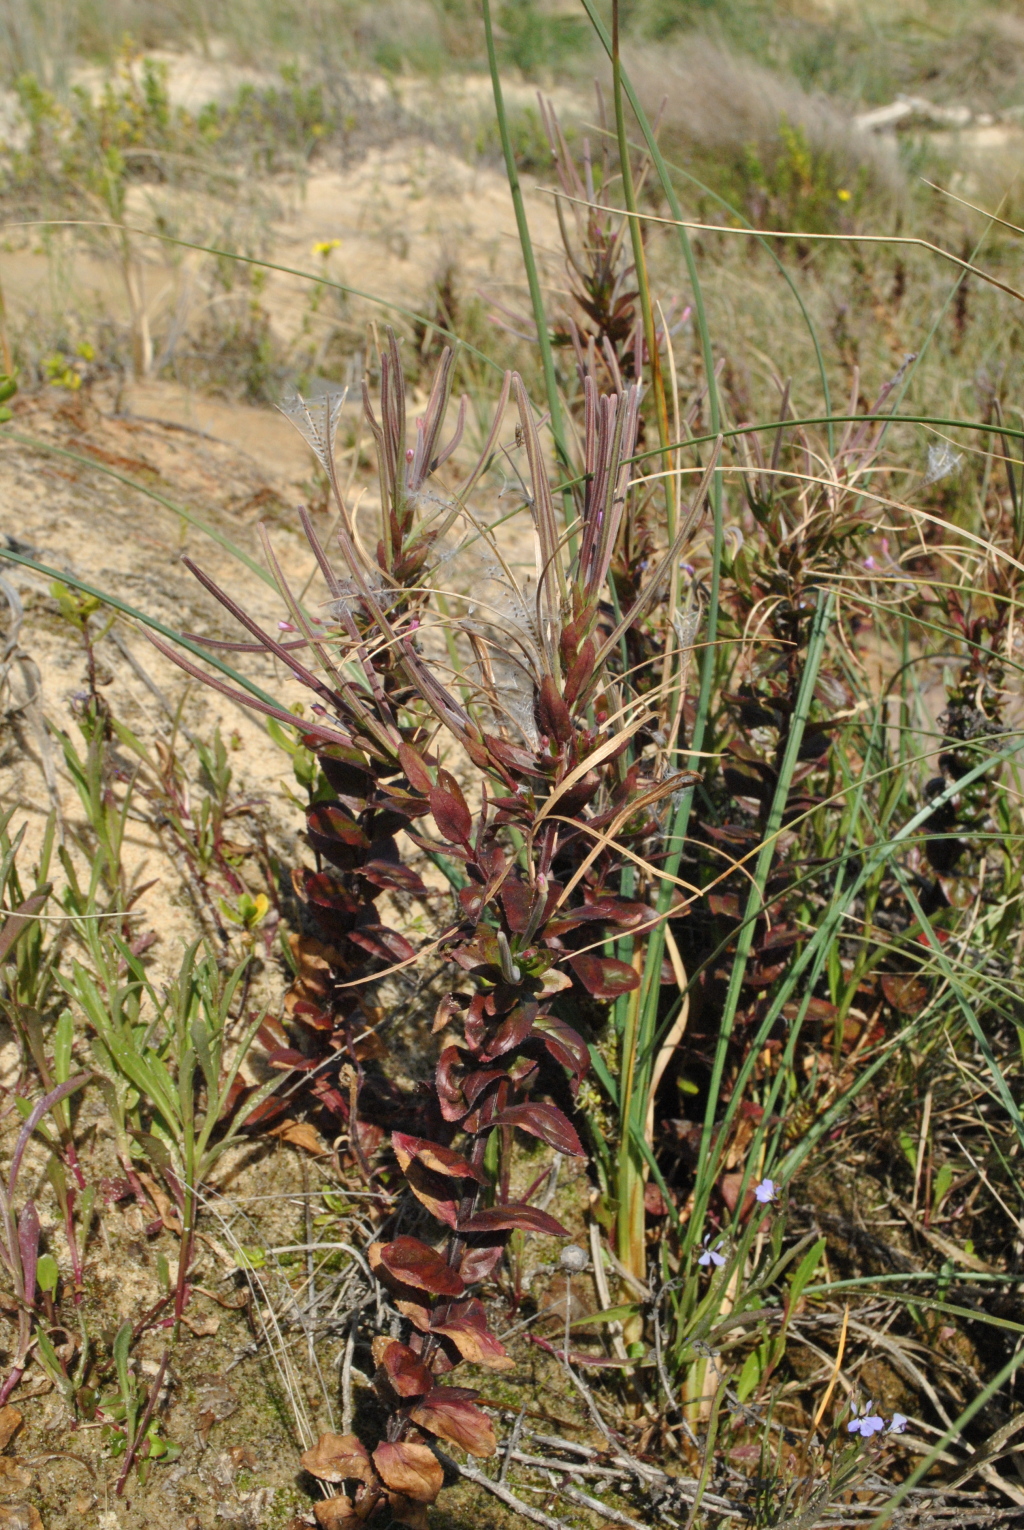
(967, 267)
(992, 549)
(798, 422)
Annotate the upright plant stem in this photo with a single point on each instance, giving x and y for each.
(642, 282)
(762, 868)
(526, 243)
(633, 1107)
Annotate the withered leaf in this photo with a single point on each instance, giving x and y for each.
(338, 1458)
(20, 1516)
(10, 1419)
(906, 994)
(412, 1470)
(14, 1478)
(336, 1513)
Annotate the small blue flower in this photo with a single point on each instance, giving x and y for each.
(898, 1425)
(711, 1255)
(867, 1423)
(766, 1192)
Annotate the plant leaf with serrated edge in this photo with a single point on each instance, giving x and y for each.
(416, 1264)
(455, 1420)
(514, 1215)
(338, 1458)
(545, 1121)
(412, 1470)
(449, 810)
(441, 1159)
(603, 976)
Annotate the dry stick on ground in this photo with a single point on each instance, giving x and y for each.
(472, 1474)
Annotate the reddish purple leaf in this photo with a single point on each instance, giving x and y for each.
(448, 1079)
(604, 976)
(330, 822)
(405, 1370)
(474, 1084)
(448, 806)
(553, 712)
(415, 1264)
(382, 942)
(441, 1159)
(514, 1215)
(415, 769)
(346, 770)
(320, 888)
(564, 1044)
(28, 1247)
(580, 671)
(512, 1032)
(576, 797)
(446, 1414)
(512, 756)
(622, 911)
(434, 1192)
(517, 900)
(386, 874)
(480, 1261)
(544, 1121)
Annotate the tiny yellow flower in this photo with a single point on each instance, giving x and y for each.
(843, 195)
(323, 247)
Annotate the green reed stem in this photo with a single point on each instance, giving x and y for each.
(634, 1150)
(756, 896)
(540, 317)
(636, 235)
(146, 621)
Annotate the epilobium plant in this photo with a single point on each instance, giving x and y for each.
(551, 728)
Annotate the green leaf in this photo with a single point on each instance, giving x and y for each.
(609, 1315)
(63, 1037)
(804, 1272)
(122, 1345)
(940, 1188)
(47, 1273)
(200, 1033)
(52, 1366)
